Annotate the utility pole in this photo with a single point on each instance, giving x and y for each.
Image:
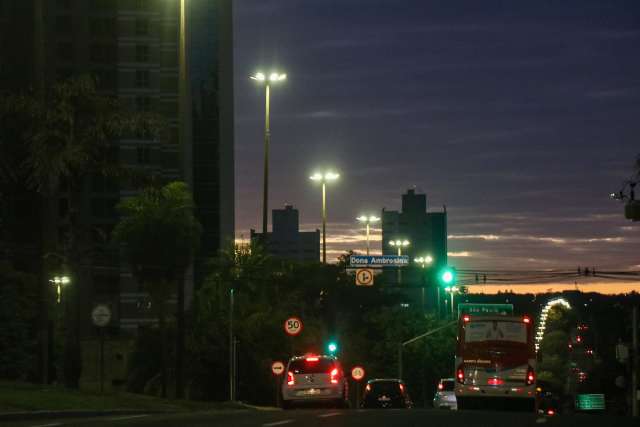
(634, 366)
(232, 356)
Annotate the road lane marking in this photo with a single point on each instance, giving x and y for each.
(277, 423)
(49, 425)
(330, 414)
(128, 417)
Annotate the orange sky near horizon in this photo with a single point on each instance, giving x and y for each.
(605, 287)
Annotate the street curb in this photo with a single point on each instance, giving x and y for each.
(262, 408)
(33, 415)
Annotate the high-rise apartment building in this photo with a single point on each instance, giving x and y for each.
(425, 231)
(286, 240)
(132, 48)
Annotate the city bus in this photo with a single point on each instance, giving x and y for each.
(495, 362)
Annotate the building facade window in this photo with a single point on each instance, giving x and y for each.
(142, 78)
(144, 155)
(143, 104)
(142, 26)
(142, 53)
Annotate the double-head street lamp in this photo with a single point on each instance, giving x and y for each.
(323, 178)
(267, 80)
(368, 220)
(399, 244)
(59, 282)
(424, 261)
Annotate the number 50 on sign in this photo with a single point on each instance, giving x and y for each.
(293, 326)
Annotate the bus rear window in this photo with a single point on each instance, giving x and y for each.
(494, 330)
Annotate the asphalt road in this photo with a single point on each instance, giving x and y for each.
(338, 418)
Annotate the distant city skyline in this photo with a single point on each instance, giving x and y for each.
(521, 119)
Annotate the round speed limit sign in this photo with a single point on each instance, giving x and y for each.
(293, 326)
(357, 373)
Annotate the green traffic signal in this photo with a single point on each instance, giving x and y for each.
(447, 276)
(332, 347)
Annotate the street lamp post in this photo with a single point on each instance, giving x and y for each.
(323, 178)
(368, 220)
(423, 261)
(399, 244)
(452, 290)
(59, 282)
(260, 77)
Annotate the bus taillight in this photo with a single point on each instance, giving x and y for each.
(460, 375)
(531, 376)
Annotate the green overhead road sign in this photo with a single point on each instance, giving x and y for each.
(590, 402)
(485, 309)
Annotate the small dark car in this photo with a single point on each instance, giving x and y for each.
(386, 393)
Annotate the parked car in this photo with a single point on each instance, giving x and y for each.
(314, 379)
(445, 397)
(386, 393)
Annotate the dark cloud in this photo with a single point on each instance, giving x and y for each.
(521, 117)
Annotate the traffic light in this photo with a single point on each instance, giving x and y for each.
(332, 347)
(448, 276)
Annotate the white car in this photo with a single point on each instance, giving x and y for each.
(445, 397)
(314, 379)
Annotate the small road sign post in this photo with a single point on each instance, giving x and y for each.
(277, 369)
(357, 373)
(101, 316)
(293, 326)
(364, 277)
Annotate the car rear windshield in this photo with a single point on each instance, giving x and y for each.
(482, 331)
(390, 388)
(447, 385)
(311, 366)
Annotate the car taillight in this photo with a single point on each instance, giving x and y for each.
(551, 412)
(334, 376)
(312, 359)
(290, 380)
(495, 381)
(460, 375)
(526, 319)
(401, 388)
(466, 318)
(440, 386)
(531, 376)
(368, 387)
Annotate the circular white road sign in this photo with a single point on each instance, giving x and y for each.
(277, 368)
(101, 315)
(357, 373)
(293, 326)
(364, 277)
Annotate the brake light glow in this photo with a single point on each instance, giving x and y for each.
(290, 380)
(401, 388)
(526, 319)
(495, 381)
(368, 387)
(460, 375)
(466, 318)
(334, 374)
(312, 359)
(440, 386)
(551, 412)
(531, 376)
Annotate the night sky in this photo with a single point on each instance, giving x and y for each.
(520, 117)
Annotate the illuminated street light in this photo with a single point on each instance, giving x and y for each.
(59, 282)
(261, 77)
(368, 220)
(323, 178)
(424, 261)
(398, 243)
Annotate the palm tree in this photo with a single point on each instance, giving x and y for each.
(160, 235)
(65, 134)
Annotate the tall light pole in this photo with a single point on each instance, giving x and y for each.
(267, 80)
(399, 244)
(323, 178)
(368, 220)
(424, 261)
